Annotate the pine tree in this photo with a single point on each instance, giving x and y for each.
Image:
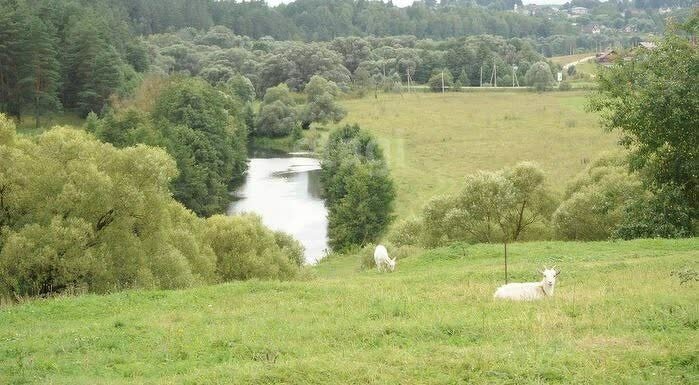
(12, 52)
(41, 70)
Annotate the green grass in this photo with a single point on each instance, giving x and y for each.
(618, 317)
(432, 140)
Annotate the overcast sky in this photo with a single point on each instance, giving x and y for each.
(402, 3)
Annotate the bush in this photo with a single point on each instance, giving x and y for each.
(492, 206)
(407, 232)
(564, 86)
(660, 214)
(245, 249)
(595, 202)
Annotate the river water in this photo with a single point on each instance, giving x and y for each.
(285, 190)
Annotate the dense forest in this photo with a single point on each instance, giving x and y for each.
(75, 54)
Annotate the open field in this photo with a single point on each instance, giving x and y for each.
(617, 317)
(432, 140)
(562, 60)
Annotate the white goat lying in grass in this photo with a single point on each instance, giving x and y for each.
(530, 291)
(382, 260)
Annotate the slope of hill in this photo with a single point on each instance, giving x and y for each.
(619, 315)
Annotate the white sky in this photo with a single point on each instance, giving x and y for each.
(403, 3)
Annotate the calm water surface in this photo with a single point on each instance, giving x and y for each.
(286, 192)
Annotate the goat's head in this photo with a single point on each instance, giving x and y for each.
(392, 264)
(550, 276)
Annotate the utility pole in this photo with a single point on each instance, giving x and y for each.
(442, 81)
(495, 74)
(481, 76)
(407, 73)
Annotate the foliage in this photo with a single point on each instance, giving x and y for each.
(112, 223)
(277, 116)
(359, 192)
(407, 232)
(653, 101)
(492, 206)
(245, 249)
(539, 76)
(242, 88)
(441, 79)
(662, 213)
(321, 106)
(202, 129)
(64, 54)
(594, 204)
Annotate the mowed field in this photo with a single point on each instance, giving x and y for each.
(619, 316)
(432, 140)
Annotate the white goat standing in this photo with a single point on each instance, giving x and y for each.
(382, 260)
(530, 291)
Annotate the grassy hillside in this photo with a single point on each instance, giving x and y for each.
(618, 317)
(434, 140)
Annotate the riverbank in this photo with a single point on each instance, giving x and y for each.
(619, 315)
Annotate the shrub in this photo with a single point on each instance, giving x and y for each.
(407, 232)
(245, 249)
(595, 202)
(657, 214)
(492, 206)
(564, 86)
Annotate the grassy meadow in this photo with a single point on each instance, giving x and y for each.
(618, 316)
(432, 140)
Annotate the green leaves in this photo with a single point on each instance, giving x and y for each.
(79, 214)
(359, 191)
(653, 101)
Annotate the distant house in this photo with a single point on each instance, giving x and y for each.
(607, 58)
(579, 11)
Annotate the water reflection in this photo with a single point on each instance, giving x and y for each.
(286, 192)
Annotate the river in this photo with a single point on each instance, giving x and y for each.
(285, 190)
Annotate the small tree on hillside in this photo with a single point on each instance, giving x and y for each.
(493, 206)
(321, 106)
(539, 76)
